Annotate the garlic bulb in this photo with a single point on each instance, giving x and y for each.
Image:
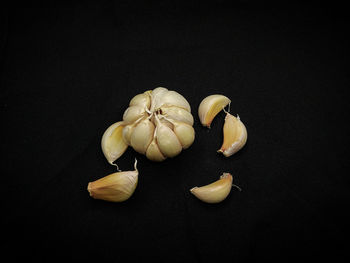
(158, 123)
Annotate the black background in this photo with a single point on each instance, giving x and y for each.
(69, 71)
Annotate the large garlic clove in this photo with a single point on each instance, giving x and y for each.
(177, 114)
(112, 143)
(172, 98)
(133, 113)
(235, 135)
(142, 136)
(185, 133)
(127, 131)
(210, 107)
(143, 100)
(156, 97)
(167, 140)
(116, 187)
(153, 153)
(216, 191)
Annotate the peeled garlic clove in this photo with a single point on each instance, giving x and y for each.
(116, 187)
(112, 143)
(216, 191)
(143, 100)
(133, 113)
(210, 107)
(177, 114)
(153, 153)
(235, 135)
(185, 133)
(172, 98)
(167, 140)
(142, 136)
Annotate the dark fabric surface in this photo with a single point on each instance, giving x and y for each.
(69, 71)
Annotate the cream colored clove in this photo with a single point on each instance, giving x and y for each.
(210, 107)
(216, 191)
(235, 135)
(116, 187)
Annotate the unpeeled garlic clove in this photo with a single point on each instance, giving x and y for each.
(177, 114)
(116, 187)
(216, 191)
(210, 107)
(235, 135)
(133, 113)
(143, 100)
(142, 136)
(153, 152)
(167, 140)
(185, 133)
(174, 98)
(112, 143)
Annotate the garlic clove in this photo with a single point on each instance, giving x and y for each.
(142, 136)
(216, 191)
(185, 133)
(210, 107)
(112, 143)
(156, 96)
(116, 187)
(177, 114)
(128, 129)
(143, 100)
(153, 153)
(133, 113)
(235, 135)
(167, 140)
(172, 98)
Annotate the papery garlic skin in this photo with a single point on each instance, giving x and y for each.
(116, 187)
(158, 123)
(112, 143)
(235, 135)
(210, 107)
(214, 192)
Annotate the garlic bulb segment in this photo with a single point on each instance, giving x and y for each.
(116, 187)
(173, 98)
(153, 153)
(112, 143)
(185, 133)
(142, 136)
(133, 113)
(216, 191)
(177, 114)
(143, 100)
(210, 107)
(167, 140)
(128, 129)
(235, 135)
(156, 97)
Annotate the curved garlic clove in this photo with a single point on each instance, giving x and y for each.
(172, 98)
(156, 96)
(185, 133)
(112, 143)
(153, 153)
(216, 191)
(142, 136)
(210, 107)
(235, 135)
(116, 187)
(133, 113)
(177, 114)
(143, 100)
(127, 131)
(167, 140)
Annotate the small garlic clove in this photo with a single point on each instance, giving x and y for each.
(142, 136)
(235, 135)
(177, 114)
(167, 140)
(116, 187)
(210, 107)
(127, 131)
(153, 153)
(143, 100)
(216, 191)
(112, 143)
(172, 98)
(185, 133)
(133, 113)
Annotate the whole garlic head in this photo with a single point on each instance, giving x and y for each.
(158, 123)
